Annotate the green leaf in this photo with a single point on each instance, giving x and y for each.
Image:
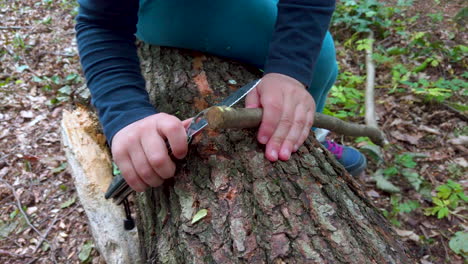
(390, 171)
(443, 212)
(437, 201)
(463, 197)
(413, 178)
(45, 246)
(454, 186)
(199, 215)
(384, 184)
(409, 206)
(60, 168)
(6, 228)
(374, 151)
(14, 213)
(115, 169)
(21, 68)
(459, 242)
(65, 90)
(443, 191)
(68, 202)
(406, 160)
(85, 251)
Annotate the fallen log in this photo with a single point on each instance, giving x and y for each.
(90, 165)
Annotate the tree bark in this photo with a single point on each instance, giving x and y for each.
(305, 210)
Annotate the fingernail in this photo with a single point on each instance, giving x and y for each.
(274, 154)
(263, 139)
(295, 148)
(286, 154)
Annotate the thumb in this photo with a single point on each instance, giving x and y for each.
(186, 122)
(253, 99)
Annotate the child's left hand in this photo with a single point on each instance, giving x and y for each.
(288, 114)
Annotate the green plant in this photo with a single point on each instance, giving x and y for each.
(399, 207)
(448, 197)
(345, 99)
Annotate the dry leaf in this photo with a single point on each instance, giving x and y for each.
(407, 234)
(412, 139)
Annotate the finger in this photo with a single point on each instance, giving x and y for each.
(253, 99)
(173, 130)
(186, 122)
(157, 156)
(143, 168)
(128, 172)
(289, 144)
(272, 109)
(281, 131)
(306, 131)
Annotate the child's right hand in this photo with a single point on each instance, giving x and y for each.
(140, 151)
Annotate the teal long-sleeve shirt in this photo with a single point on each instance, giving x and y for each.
(106, 41)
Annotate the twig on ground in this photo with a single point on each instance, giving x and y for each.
(4, 252)
(20, 206)
(44, 235)
(12, 27)
(370, 83)
(459, 114)
(61, 54)
(56, 218)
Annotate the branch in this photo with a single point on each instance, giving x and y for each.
(20, 206)
(226, 117)
(11, 254)
(370, 80)
(13, 28)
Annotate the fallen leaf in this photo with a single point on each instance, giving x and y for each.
(429, 130)
(85, 251)
(461, 140)
(408, 234)
(384, 184)
(26, 114)
(412, 139)
(459, 242)
(373, 194)
(199, 215)
(68, 202)
(461, 161)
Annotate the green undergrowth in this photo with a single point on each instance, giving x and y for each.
(428, 62)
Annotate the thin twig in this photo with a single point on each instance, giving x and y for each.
(61, 54)
(56, 218)
(44, 235)
(13, 28)
(20, 206)
(4, 252)
(370, 83)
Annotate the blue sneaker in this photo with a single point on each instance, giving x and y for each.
(351, 159)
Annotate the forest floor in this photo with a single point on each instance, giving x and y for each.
(421, 105)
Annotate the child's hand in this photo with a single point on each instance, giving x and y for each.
(288, 114)
(140, 151)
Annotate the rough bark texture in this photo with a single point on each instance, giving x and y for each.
(306, 210)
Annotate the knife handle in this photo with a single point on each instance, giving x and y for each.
(119, 189)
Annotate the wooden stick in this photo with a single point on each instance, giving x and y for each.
(371, 119)
(219, 117)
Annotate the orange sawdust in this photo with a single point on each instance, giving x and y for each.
(202, 84)
(197, 62)
(200, 103)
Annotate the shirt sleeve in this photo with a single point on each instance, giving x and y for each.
(105, 33)
(300, 28)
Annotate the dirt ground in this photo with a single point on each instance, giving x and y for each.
(39, 72)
